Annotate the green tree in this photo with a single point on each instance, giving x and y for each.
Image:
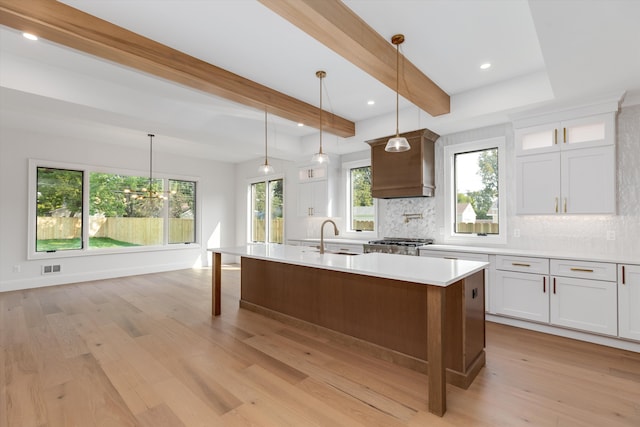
(488, 170)
(59, 189)
(361, 181)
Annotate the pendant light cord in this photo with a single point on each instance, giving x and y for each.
(321, 74)
(397, 89)
(265, 135)
(150, 162)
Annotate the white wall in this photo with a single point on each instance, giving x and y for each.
(216, 199)
(573, 234)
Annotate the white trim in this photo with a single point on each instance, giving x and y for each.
(450, 237)
(567, 333)
(266, 179)
(346, 181)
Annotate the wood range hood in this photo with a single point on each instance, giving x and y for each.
(405, 174)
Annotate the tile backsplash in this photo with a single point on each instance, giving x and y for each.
(412, 217)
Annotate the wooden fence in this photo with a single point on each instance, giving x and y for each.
(277, 230)
(139, 231)
(477, 227)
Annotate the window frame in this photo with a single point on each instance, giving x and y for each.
(450, 198)
(266, 179)
(32, 254)
(346, 178)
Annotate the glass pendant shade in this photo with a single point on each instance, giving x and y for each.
(266, 168)
(320, 158)
(398, 143)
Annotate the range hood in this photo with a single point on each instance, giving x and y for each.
(405, 174)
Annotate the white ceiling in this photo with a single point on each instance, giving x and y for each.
(543, 54)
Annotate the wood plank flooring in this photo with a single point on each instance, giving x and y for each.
(144, 351)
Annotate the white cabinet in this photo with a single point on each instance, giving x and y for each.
(573, 173)
(464, 256)
(579, 300)
(584, 132)
(521, 288)
(629, 301)
(314, 191)
(347, 248)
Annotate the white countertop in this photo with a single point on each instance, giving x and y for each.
(332, 240)
(430, 271)
(613, 258)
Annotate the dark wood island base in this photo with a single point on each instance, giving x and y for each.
(434, 329)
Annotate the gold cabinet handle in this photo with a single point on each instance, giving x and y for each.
(556, 205)
(584, 270)
(555, 136)
(520, 264)
(449, 257)
(623, 275)
(565, 205)
(564, 135)
(544, 284)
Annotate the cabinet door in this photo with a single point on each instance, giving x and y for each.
(313, 198)
(538, 184)
(537, 139)
(629, 301)
(521, 295)
(588, 305)
(588, 181)
(588, 131)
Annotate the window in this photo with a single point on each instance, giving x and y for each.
(266, 216)
(361, 209)
(83, 210)
(182, 211)
(474, 191)
(58, 209)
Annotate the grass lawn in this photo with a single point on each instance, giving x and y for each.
(65, 244)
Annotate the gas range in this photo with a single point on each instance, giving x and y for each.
(396, 245)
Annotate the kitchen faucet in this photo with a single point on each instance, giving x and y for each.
(335, 230)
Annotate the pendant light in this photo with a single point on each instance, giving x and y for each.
(266, 168)
(320, 157)
(151, 192)
(397, 143)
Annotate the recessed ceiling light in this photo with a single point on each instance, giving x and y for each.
(371, 102)
(300, 125)
(485, 66)
(29, 36)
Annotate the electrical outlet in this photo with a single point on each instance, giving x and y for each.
(516, 232)
(611, 235)
(16, 268)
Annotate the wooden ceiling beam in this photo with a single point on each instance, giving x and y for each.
(62, 24)
(336, 26)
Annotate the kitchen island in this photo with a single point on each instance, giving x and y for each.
(424, 313)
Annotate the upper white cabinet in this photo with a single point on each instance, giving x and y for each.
(629, 301)
(567, 167)
(315, 191)
(584, 132)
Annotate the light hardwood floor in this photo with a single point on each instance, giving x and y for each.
(144, 351)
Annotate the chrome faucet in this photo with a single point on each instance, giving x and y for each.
(335, 230)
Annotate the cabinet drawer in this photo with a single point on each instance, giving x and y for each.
(522, 264)
(455, 255)
(584, 269)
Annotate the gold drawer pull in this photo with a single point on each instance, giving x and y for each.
(520, 264)
(584, 270)
(449, 257)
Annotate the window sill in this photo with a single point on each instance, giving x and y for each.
(115, 251)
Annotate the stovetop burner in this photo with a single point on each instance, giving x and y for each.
(401, 241)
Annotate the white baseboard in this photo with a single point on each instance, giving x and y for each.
(64, 279)
(567, 333)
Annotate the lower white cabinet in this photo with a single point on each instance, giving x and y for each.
(588, 305)
(521, 295)
(629, 301)
(573, 294)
